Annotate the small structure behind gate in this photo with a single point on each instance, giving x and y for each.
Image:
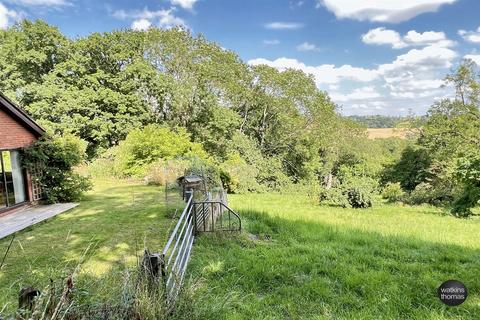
(209, 214)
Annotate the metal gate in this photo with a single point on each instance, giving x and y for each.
(209, 215)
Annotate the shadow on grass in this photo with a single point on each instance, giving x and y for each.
(308, 270)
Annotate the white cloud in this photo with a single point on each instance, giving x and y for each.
(46, 3)
(185, 4)
(411, 80)
(283, 25)
(164, 18)
(426, 37)
(474, 57)
(306, 46)
(392, 11)
(6, 16)
(415, 74)
(272, 42)
(383, 36)
(141, 24)
(363, 93)
(417, 60)
(470, 36)
(324, 74)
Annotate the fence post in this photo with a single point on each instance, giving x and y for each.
(188, 194)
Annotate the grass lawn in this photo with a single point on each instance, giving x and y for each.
(295, 260)
(302, 261)
(116, 221)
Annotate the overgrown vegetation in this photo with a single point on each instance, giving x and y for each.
(157, 104)
(54, 158)
(142, 98)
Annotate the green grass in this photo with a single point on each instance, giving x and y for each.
(116, 221)
(295, 259)
(298, 260)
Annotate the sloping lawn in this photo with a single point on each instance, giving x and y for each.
(298, 260)
(110, 228)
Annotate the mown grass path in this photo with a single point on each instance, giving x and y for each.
(115, 222)
(302, 261)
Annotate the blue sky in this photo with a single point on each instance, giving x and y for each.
(371, 56)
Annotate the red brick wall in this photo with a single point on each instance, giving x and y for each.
(12, 134)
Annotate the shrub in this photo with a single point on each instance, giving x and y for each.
(143, 147)
(359, 196)
(468, 170)
(238, 176)
(437, 194)
(421, 194)
(358, 189)
(56, 157)
(354, 192)
(101, 168)
(467, 200)
(166, 172)
(393, 192)
(333, 196)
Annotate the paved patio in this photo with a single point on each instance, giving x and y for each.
(20, 220)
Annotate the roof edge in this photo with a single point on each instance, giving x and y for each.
(18, 113)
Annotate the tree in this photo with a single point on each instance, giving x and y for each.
(451, 136)
(106, 85)
(465, 80)
(28, 51)
(410, 170)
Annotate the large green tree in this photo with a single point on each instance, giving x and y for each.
(102, 86)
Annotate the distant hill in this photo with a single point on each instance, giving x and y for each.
(377, 121)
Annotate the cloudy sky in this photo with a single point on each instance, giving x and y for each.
(372, 56)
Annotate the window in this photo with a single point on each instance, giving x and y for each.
(12, 179)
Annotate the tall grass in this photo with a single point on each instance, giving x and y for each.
(298, 260)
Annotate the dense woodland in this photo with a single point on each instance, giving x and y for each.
(379, 121)
(141, 101)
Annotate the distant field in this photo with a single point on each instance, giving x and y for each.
(384, 133)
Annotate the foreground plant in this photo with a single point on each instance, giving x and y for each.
(54, 157)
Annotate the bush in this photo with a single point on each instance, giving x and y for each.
(393, 192)
(56, 157)
(354, 192)
(100, 168)
(359, 197)
(468, 199)
(238, 176)
(143, 147)
(166, 172)
(333, 196)
(437, 194)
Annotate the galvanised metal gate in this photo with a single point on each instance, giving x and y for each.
(209, 215)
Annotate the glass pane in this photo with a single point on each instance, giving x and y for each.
(18, 177)
(3, 190)
(13, 173)
(7, 171)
